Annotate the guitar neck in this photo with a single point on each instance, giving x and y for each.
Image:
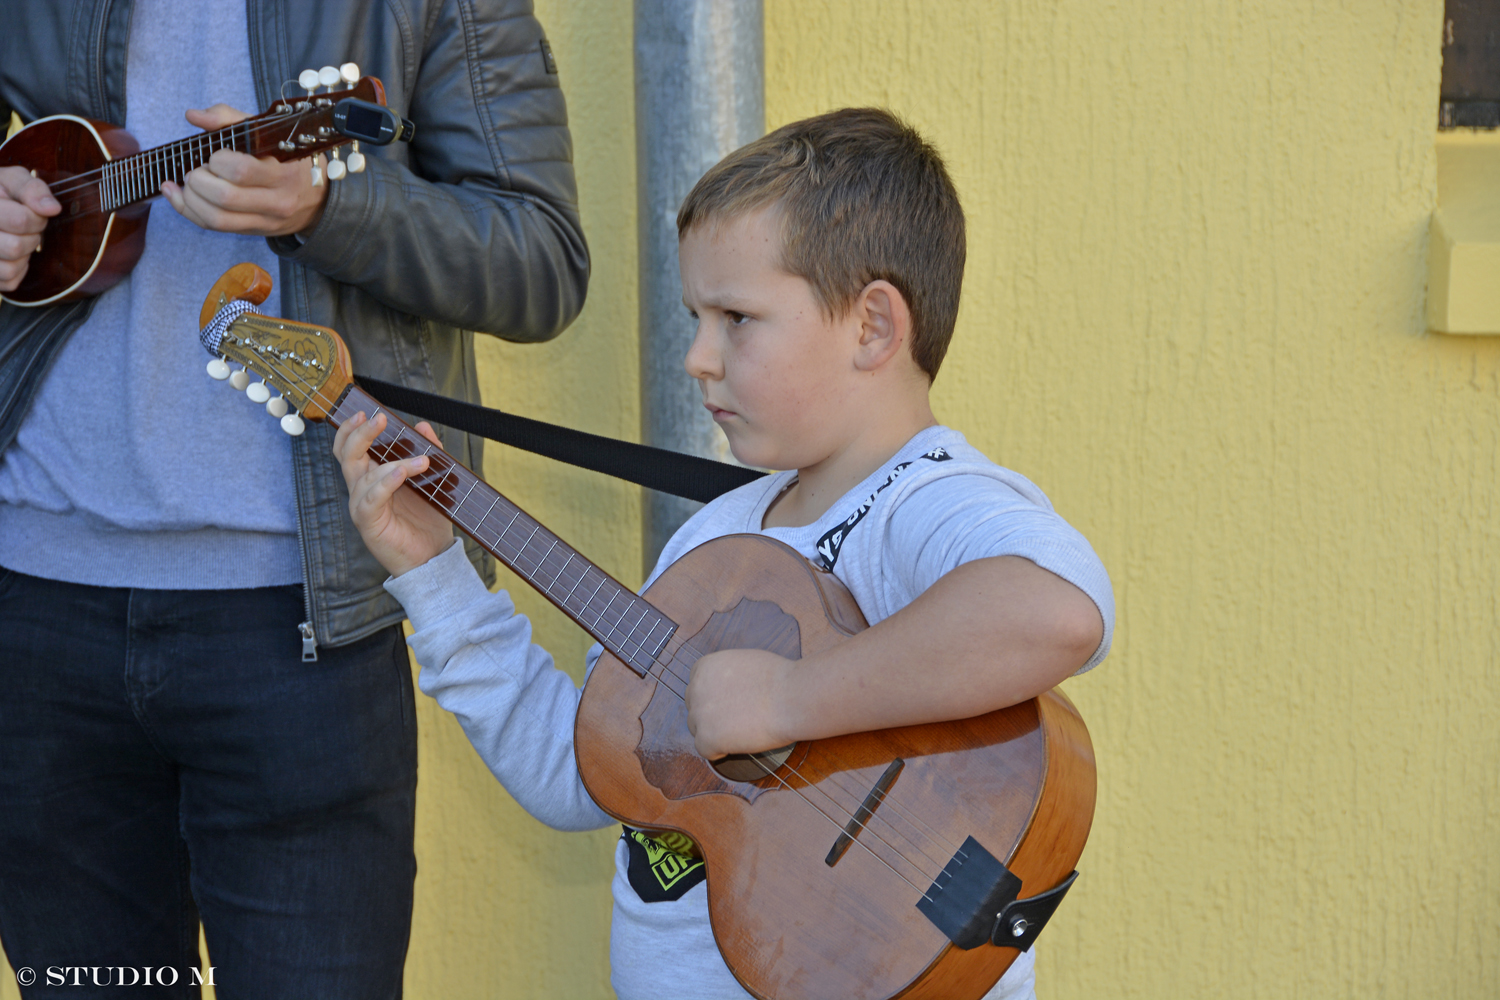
(619, 619)
(132, 179)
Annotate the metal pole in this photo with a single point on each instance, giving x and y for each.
(699, 94)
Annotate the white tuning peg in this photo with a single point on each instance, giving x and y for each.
(258, 392)
(308, 80)
(317, 175)
(292, 424)
(328, 76)
(350, 73)
(336, 167)
(240, 379)
(218, 369)
(356, 160)
(276, 406)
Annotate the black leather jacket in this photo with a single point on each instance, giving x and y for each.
(473, 226)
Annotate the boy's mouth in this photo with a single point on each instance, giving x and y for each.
(717, 413)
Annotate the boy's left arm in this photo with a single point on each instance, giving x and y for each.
(986, 635)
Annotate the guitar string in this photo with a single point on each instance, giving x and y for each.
(387, 448)
(922, 828)
(78, 182)
(315, 393)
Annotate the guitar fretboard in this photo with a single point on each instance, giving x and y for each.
(135, 178)
(623, 622)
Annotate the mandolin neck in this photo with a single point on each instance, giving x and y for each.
(619, 619)
(132, 179)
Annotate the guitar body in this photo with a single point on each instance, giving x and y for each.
(84, 251)
(1020, 781)
(819, 854)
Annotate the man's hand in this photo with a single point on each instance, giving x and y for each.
(236, 193)
(734, 702)
(25, 205)
(401, 530)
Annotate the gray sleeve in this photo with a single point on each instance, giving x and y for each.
(517, 709)
(481, 231)
(956, 519)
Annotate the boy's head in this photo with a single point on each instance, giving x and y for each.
(859, 197)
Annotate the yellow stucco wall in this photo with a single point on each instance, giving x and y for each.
(1194, 313)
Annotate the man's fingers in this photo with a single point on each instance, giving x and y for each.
(425, 429)
(17, 184)
(17, 249)
(215, 117)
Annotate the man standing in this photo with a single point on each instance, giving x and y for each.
(205, 705)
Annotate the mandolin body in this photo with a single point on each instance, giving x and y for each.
(1020, 781)
(84, 251)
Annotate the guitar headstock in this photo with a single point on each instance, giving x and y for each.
(303, 369)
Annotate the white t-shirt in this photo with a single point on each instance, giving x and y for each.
(936, 504)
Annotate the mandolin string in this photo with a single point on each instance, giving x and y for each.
(80, 181)
(315, 393)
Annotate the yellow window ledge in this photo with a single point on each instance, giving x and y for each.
(1463, 259)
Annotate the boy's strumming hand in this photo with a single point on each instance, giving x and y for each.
(734, 701)
(401, 530)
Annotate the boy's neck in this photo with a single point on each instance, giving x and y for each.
(819, 486)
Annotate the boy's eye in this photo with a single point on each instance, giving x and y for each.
(735, 319)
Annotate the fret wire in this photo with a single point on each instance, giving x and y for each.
(611, 633)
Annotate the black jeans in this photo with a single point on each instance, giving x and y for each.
(166, 754)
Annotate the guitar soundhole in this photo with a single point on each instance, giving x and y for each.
(753, 766)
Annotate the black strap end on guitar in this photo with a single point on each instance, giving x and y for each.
(973, 901)
(1023, 919)
(968, 894)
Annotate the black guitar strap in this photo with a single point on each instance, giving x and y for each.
(657, 469)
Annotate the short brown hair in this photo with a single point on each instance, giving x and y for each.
(863, 197)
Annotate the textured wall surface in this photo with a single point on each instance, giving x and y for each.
(1193, 313)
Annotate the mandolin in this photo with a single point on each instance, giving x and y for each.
(914, 862)
(103, 181)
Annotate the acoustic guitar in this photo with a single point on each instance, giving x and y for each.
(103, 180)
(911, 862)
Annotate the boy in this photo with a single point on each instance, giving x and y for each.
(823, 265)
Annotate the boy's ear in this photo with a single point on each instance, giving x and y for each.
(884, 325)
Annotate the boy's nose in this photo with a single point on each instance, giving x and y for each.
(702, 361)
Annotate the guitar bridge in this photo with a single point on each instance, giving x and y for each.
(864, 812)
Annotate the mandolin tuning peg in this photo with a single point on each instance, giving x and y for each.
(336, 169)
(308, 80)
(240, 380)
(258, 392)
(276, 406)
(328, 76)
(218, 369)
(317, 175)
(350, 73)
(292, 424)
(356, 160)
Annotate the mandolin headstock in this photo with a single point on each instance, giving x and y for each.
(302, 368)
(350, 110)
